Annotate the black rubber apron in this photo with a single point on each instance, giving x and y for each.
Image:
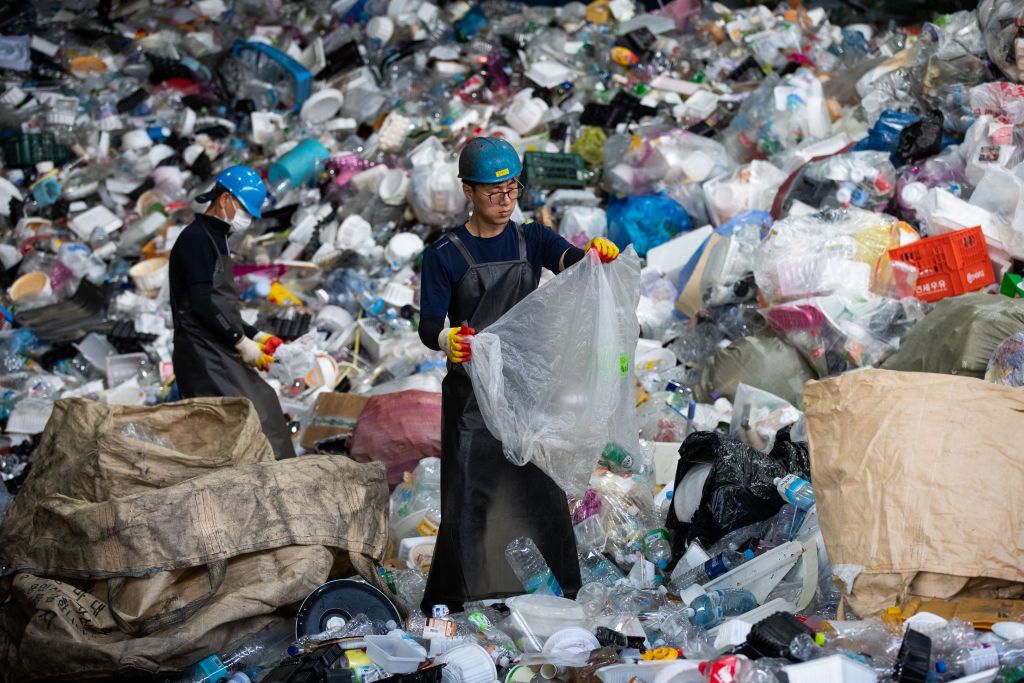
(206, 366)
(486, 501)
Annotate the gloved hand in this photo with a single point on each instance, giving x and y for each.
(606, 249)
(454, 341)
(252, 354)
(268, 342)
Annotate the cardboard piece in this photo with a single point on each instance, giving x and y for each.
(691, 299)
(979, 612)
(916, 477)
(333, 414)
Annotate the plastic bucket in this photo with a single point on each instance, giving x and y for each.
(30, 285)
(300, 164)
(150, 275)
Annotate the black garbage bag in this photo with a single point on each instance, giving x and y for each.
(921, 139)
(740, 489)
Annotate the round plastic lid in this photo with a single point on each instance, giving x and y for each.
(342, 599)
(136, 139)
(321, 106)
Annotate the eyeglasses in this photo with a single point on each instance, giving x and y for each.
(512, 195)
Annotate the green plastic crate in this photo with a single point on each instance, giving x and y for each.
(547, 169)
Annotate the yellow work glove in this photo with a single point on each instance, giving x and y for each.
(252, 354)
(454, 341)
(606, 249)
(268, 342)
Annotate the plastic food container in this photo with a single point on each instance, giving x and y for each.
(395, 655)
(150, 275)
(838, 668)
(546, 614)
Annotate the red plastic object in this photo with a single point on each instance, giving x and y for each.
(949, 264)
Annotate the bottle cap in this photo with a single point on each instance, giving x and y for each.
(749, 554)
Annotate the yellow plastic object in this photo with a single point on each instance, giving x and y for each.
(590, 145)
(624, 56)
(280, 296)
(599, 12)
(661, 654)
(84, 67)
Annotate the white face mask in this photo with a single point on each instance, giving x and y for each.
(240, 221)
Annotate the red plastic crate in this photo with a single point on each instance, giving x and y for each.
(949, 264)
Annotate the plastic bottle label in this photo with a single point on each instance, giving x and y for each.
(544, 584)
(715, 567)
(480, 620)
(655, 536)
(439, 628)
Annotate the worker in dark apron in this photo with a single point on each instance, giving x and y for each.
(215, 352)
(473, 275)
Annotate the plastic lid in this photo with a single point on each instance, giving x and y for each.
(688, 612)
(749, 554)
(322, 106)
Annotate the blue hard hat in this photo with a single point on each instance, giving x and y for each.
(489, 160)
(244, 184)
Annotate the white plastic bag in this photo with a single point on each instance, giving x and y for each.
(554, 375)
(294, 359)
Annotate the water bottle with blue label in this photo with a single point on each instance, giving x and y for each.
(531, 568)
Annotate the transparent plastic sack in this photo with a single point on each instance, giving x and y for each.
(863, 180)
(841, 333)
(751, 187)
(945, 171)
(830, 251)
(779, 115)
(757, 415)
(436, 193)
(553, 376)
(999, 26)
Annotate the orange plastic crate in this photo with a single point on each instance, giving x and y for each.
(949, 264)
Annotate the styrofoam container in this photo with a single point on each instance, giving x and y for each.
(546, 614)
(467, 663)
(98, 216)
(834, 669)
(394, 654)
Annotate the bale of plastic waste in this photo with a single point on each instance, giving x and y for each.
(886, 514)
(959, 336)
(765, 362)
(144, 538)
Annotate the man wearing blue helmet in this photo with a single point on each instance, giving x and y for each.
(215, 351)
(472, 276)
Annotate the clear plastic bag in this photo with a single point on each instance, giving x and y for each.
(553, 376)
(829, 251)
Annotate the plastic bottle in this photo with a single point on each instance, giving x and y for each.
(618, 458)
(795, 491)
(711, 569)
(531, 568)
(679, 396)
(712, 608)
(596, 568)
(657, 548)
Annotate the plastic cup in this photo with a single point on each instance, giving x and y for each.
(298, 165)
(31, 285)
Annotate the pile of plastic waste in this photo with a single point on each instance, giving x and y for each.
(801, 193)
